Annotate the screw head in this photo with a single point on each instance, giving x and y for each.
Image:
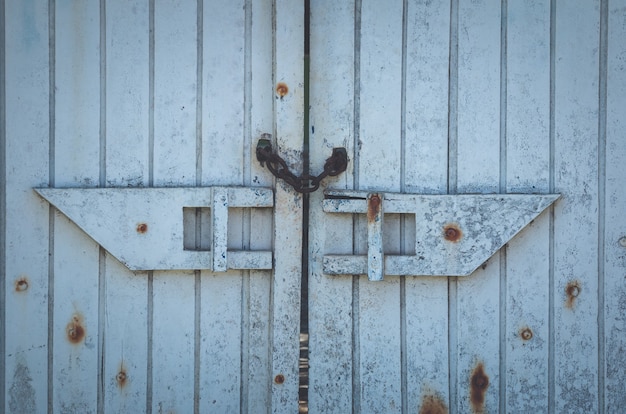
(622, 241)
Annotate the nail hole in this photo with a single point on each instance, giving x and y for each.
(142, 228)
(526, 334)
(21, 284)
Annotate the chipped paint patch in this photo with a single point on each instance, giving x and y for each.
(433, 404)
(21, 392)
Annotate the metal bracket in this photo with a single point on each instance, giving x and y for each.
(455, 234)
(143, 227)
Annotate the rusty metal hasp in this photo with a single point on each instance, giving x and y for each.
(455, 234)
(143, 227)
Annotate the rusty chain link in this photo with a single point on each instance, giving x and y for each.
(306, 183)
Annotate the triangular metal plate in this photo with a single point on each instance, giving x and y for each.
(455, 234)
(143, 227)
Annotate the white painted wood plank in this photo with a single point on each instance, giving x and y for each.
(173, 330)
(380, 168)
(331, 348)
(77, 163)
(222, 157)
(25, 303)
(477, 170)
(576, 217)
(527, 170)
(257, 289)
(289, 118)
(127, 164)
(615, 205)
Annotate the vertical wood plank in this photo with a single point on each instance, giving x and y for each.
(289, 124)
(380, 168)
(331, 125)
(77, 163)
(259, 80)
(175, 87)
(527, 171)
(25, 225)
(426, 171)
(222, 155)
(478, 158)
(127, 164)
(615, 203)
(576, 219)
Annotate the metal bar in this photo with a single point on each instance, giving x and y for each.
(375, 254)
(219, 214)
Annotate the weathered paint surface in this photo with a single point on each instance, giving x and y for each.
(484, 97)
(135, 96)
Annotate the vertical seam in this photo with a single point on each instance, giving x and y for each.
(102, 182)
(403, 222)
(551, 185)
(150, 293)
(51, 182)
(602, 123)
(3, 216)
(452, 189)
(356, 343)
(503, 189)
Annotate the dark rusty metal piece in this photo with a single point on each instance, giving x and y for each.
(279, 379)
(306, 183)
(21, 284)
(282, 89)
(142, 228)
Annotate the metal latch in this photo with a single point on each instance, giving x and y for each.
(143, 227)
(455, 234)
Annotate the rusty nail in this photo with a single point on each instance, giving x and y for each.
(526, 334)
(452, 233)
(121, 378)
(142, 228)
(75, 331)
(573, 291)
(21, 284)
(279, 379)
(622, 241)
(282, 89)
(479, 383)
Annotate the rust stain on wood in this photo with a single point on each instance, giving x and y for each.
(75, 329)
(572, 291)
(452, 232)
(21, 284)
(479, 382)
(279, 379)
(373, 207)
(433, 404)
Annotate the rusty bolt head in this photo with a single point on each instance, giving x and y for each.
(526, 334)
(452, 233)
(121, 377)
(21, 284)
(622, 241)
(279, 379)
(142, 228)
(573, 291)
(282, 89)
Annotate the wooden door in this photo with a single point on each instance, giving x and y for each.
(472, 97)
(147, 94)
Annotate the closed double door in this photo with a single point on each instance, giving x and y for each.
(430, 100)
